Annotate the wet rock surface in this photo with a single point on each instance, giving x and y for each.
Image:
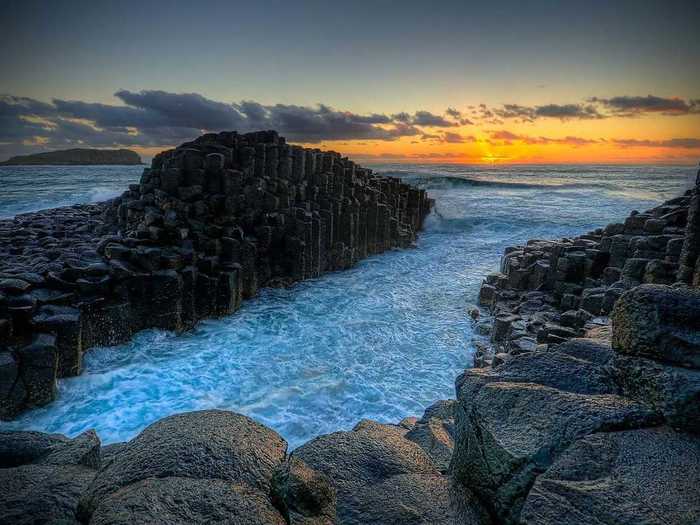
(210, 223)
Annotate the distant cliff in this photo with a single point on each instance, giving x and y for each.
(76, 156)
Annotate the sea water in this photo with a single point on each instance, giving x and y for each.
(382, 340)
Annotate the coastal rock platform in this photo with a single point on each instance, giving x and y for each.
(210, 223)
(583, 405)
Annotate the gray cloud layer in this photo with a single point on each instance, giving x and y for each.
(157, 118)
(153, 118)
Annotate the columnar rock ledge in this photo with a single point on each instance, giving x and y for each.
(209, 223)
(574, 430)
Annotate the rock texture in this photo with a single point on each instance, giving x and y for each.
(214, 466)
(192, 467)
(77, 156)
(646, 476)
(382, 477)
(555, 428)
(43, 476)
(551, 291)
(210, 223)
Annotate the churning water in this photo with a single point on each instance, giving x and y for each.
(380, 341)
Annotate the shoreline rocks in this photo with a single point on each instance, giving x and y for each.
(552, 427)
(210, 223)
(569, 418)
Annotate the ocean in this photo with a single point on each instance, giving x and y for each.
(382, 340)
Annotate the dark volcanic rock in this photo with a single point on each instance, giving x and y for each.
(659, 322)
(513, 421)
(381, 477)
(183, 500)
(434, 432)
(208, 225)
(306, 496)
(649, 476)
(20, 448)
(42, 493)
(672, 391)
(209, 444)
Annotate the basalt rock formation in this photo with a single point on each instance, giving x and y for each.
(551, 291)
(575, 417)
(561, 429)
(209, 223)
(76, 157)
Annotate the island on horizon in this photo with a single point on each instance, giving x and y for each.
(76, 157)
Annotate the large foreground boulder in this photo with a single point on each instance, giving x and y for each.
(659, 322)
(170, 500)
(382, 477)
(32, 494)
(42, 476)
(512, 422)
(239, 454)
(649, 476)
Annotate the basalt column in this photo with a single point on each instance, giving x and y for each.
(208, 225)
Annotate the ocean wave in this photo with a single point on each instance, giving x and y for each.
(447, 181)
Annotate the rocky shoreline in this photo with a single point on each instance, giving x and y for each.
(210, 223)
(583, 408)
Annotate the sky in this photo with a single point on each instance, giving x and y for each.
(448, 81)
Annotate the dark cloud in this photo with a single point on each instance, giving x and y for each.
(684, 143)
(508, 138)
(597, 108)
(159, 118)
(456, 138)
(559, 111)
(634, 106)
(428, 119)
(454, 113)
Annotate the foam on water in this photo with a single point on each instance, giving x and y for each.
(380, 341)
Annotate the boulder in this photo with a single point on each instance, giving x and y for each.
(182, 500)
(381, 477)
(208, 444)
(513, 421)
(435, 437)
(648, 476)
(21, 448)
(42, 493)
(671, 390)
(306, 496)
(83, 450)
(659, 322)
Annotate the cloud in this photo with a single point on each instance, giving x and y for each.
(597, 108)
(508, 138)
(458, 116)
(631, 106)
(684, 143)
(153, 118)
(428, 119)
(559, 111)
(456, 138)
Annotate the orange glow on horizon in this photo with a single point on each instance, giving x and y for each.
(646, 140)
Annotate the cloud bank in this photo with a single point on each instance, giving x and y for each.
(157, 119)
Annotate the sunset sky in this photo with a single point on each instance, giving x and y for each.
(508, 81)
